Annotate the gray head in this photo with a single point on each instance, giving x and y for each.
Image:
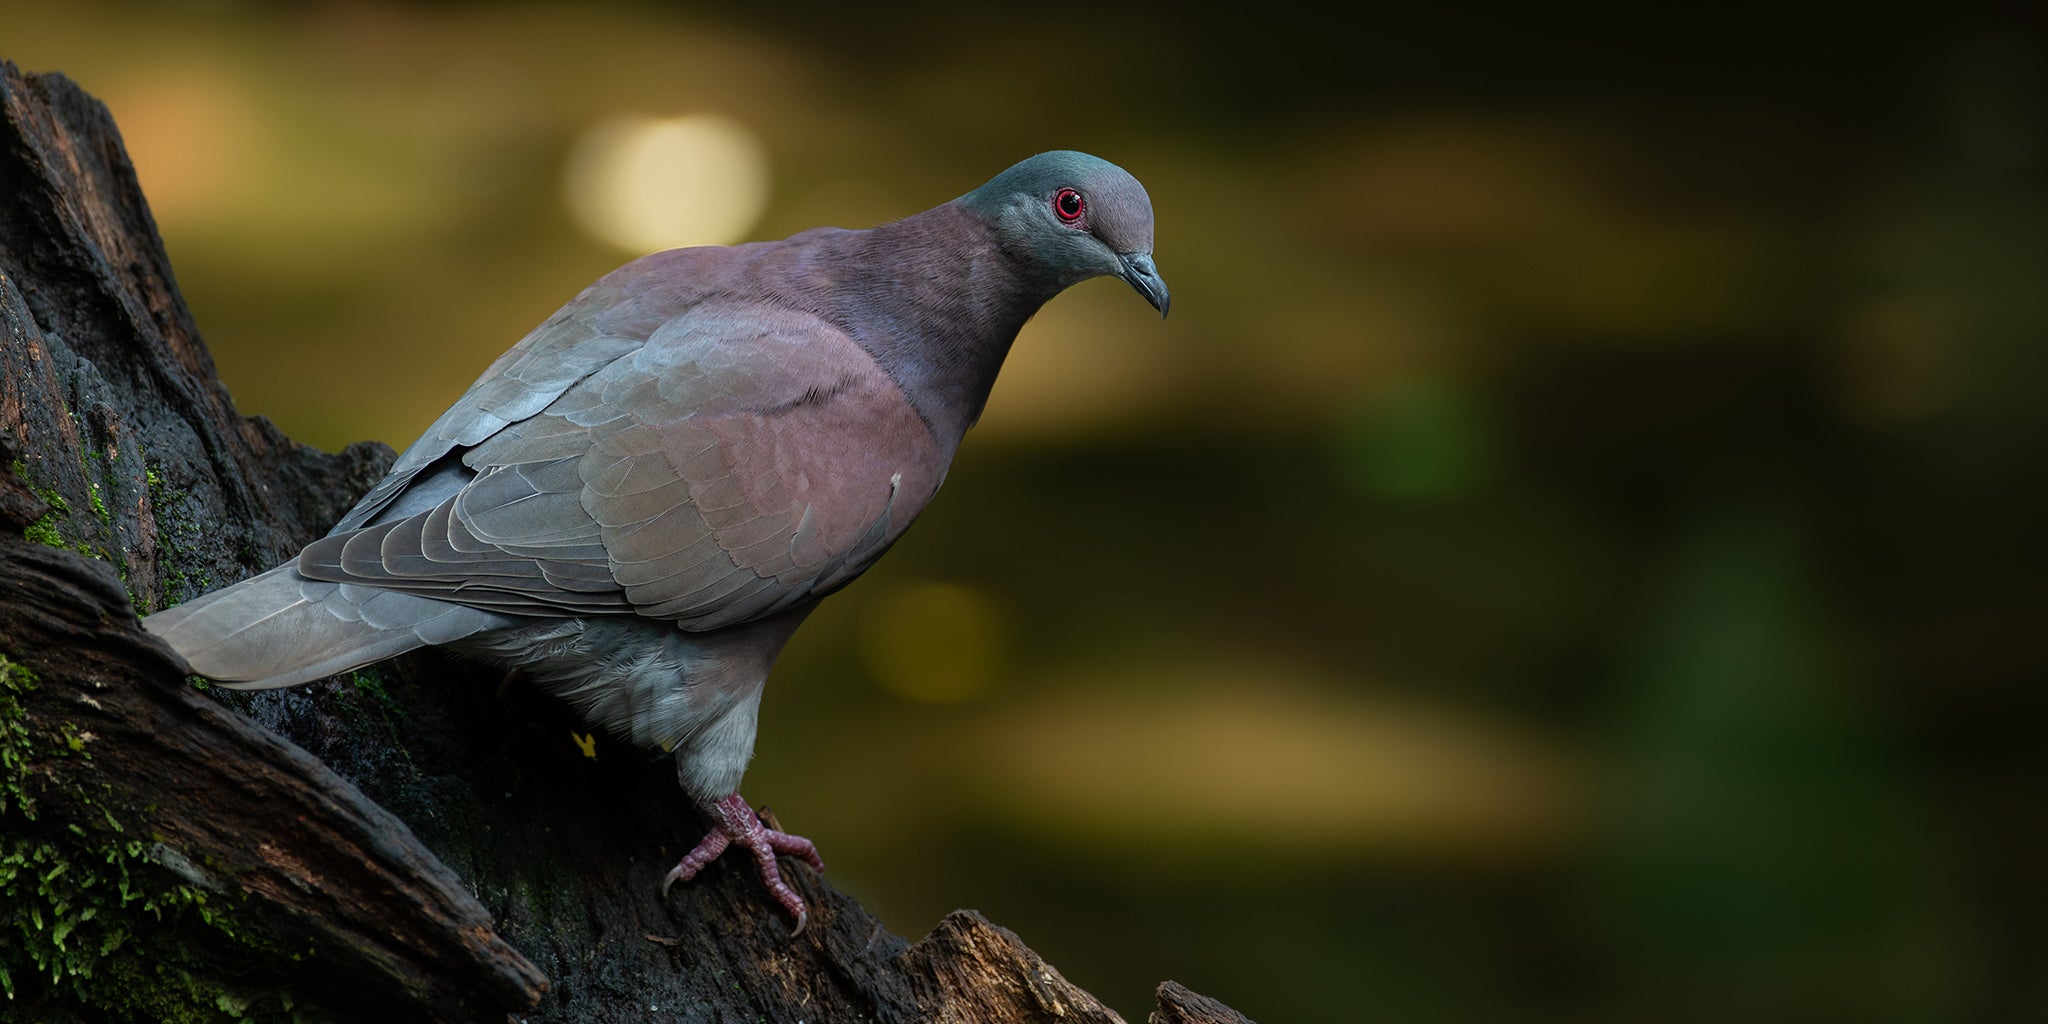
(1073, 216)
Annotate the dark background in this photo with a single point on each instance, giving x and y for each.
(1572, 555)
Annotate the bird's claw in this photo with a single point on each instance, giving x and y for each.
(737, 824)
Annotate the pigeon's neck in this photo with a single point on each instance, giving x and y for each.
(937, 302)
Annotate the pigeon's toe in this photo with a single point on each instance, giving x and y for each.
(737, 825)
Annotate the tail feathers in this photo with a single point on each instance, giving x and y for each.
(279, 628)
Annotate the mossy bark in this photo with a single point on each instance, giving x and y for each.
(171, 852)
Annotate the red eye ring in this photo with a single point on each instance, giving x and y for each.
(1068, 205)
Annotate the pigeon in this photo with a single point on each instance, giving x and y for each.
(638, 504)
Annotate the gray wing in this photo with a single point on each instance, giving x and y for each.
(612, 317)
(741, 461)
(570, 346)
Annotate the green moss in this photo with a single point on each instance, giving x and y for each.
(97, 921)
(179, 537)
(369, 681)
(44, 530)
(101, 463)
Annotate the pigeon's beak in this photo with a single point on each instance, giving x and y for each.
(1143, 276)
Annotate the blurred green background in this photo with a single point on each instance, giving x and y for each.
(1572, 555)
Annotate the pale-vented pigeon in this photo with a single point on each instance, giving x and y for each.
(637, 505)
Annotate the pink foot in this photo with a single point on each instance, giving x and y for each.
(737, 824)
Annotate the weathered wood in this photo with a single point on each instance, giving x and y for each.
(1180, 1005)
(247, 852)
(122, 445)
(228, 808)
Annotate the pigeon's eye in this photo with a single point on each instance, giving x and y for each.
(1068, 204)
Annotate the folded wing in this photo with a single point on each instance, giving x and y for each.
(737, 463)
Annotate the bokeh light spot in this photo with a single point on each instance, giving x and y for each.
(1245, 761)
(933, 643)
(647, 183)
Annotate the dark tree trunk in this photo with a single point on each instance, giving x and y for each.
(168, 852)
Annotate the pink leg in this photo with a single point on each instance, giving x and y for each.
(737, 823)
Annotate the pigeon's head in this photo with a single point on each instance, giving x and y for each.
(1073, 217)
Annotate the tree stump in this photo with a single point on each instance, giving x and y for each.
(411, 842)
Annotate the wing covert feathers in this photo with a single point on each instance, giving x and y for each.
(709, 478)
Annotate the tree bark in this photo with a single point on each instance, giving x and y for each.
(169, 852)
